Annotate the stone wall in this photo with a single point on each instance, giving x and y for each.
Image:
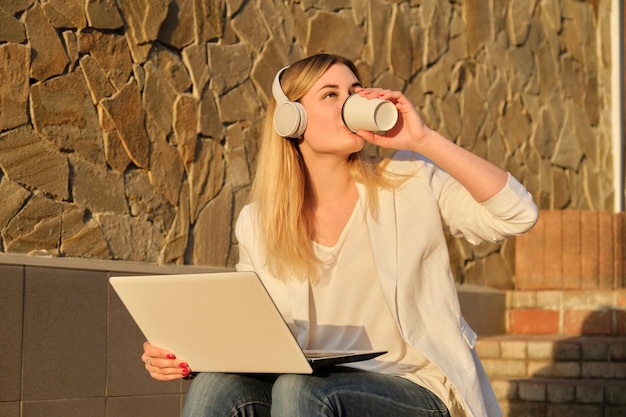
(128, 128)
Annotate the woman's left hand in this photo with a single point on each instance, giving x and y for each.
(410, 129)
(163, 365)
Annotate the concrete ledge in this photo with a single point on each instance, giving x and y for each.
(70, 344)
(101, 265)
(484, 308)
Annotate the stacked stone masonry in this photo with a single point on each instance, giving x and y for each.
(129, 128)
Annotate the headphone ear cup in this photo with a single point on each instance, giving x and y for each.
(290, 119)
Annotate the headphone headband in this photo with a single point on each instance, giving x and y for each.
(277, 90)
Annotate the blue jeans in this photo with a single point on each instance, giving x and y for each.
(333, 391)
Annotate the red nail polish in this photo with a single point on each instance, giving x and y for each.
(186, 371)
(171, 356)
(182, 365)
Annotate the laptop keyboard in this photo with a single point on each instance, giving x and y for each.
(321, 355)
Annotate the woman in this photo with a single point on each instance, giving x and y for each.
(354, 255)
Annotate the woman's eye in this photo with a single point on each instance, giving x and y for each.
(330, 94)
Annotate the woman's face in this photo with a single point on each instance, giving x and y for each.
(326, 132)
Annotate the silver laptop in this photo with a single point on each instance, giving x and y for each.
(221, 322)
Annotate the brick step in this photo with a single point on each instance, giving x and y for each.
(545, 397)
(526, 356)
(559, 390)
(516, 408)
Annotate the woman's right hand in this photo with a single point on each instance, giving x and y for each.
(162, 364)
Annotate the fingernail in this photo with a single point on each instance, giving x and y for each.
(183, 365)
(171, 356)
(186, 371)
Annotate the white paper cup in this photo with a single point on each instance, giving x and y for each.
(374, 115)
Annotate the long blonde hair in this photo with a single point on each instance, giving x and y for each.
(280, 188)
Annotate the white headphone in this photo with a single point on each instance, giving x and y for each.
(290, 117)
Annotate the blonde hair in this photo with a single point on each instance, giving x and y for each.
(280, 188)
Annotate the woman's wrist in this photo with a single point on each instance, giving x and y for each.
(428, 143)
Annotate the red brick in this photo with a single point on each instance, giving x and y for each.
(617, 351)
(619, 251)
(619, 371)
(600, 322)
(553, 252)
(573, 321)
(532, 390)
(529, 253)
(594, 349)
(588, 322)
(614, 411)
(569, 369)
(616, 393)
(590, 392)
(597, 370)
(568, 350)
(589, 249)
(571, 248)
(620, 322)
(562, 392)
(524, 409)
(533, 321)
(574, 410)
(606, 243)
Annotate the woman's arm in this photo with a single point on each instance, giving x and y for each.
(481, 178)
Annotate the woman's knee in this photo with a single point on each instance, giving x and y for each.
(298, 395)
(217, 394)
(206, 393)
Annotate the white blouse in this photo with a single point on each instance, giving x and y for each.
(348, 311)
